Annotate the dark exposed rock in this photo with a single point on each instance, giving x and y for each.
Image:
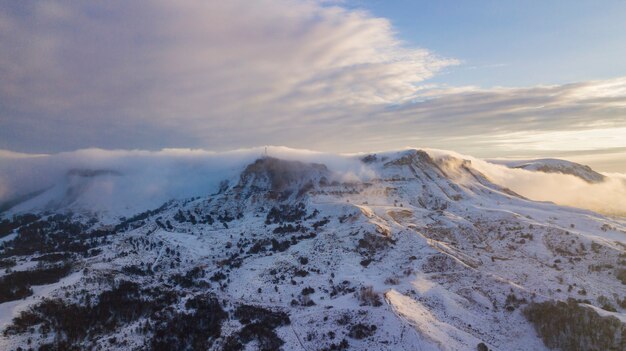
(280, 179)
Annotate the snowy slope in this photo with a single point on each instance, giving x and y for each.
(393, 251)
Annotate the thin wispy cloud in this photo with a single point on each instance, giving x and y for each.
(540, 117)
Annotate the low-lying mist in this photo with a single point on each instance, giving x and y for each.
(608, 197)
(119, 181)
(139, 180)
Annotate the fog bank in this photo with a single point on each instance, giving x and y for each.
(123, 181)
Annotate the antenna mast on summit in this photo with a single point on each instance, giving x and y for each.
(265, 155)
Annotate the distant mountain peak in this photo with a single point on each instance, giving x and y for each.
(551, 165)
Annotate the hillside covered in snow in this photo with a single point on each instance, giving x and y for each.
(293, 250)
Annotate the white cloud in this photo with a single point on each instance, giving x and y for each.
(230, 74)
(215, 72)
(607, 197)
(497, 121)
(136, 180)
(141, 180)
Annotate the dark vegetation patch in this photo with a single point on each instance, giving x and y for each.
(218, 276)
(137, 270)
(289, 228)
(312, 215)
(227, 218)
(321, 223)
(361, 331)
(58, 233)
(195, 329)
(342, 288)
(368, 297)
(259, 324)
(569, 326)
(7, 226)
(371, 244)
(341, 346)
(17, 285)
(606, 304)
(72, 323)
(438, 263)
(139, 219)
(259, 246)
(54, 257)
(513, 302)
(247, 314)
(303, 300)
(7, 263)
(600, 267)
(278, 245)
(301, 273)
(286, 214)
(233, 261)
(181, 218)
(164, 325)
(193, 278)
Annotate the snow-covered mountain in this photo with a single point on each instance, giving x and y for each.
(550, 165)
(406, 250)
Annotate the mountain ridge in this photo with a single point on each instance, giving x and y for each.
(551, 165)
(397, 250)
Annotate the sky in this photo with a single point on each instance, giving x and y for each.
(491, 79)
(514, 43)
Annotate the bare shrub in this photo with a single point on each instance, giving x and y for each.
(392, 281)
(367, 297)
